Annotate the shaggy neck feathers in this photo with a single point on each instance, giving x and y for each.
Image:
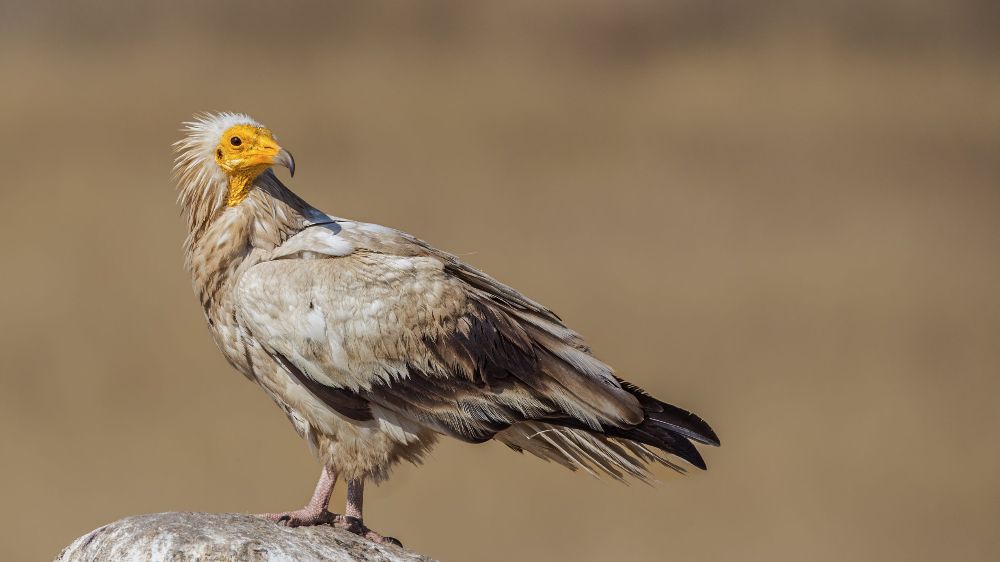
(228, 216)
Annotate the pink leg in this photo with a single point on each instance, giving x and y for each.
(355, 499)
(353, 520)
(315, 512)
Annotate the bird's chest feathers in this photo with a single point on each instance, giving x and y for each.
(232, 244)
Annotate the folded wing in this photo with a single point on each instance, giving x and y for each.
(374, 321)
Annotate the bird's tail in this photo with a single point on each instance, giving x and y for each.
(617, 451)
(667, 427)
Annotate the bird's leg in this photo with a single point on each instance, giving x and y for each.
(355, 499)
(315, 512)
(353, 520)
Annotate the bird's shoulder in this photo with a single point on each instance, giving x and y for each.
(344, 258)
(382, 253)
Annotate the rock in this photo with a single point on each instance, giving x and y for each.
(216, 537)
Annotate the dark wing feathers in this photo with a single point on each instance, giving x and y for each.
(453, 407)
(342, 400)
(671, 417)
(669, 436)
(487, 346)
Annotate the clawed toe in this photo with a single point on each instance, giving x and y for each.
(348, 523)
(301, 518)
(384, 540)
(357, 526)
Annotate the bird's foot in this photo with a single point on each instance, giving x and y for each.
(305, 517)
(357, 526)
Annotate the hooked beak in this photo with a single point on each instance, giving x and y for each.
(284, 158)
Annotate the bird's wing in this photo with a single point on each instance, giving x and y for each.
(373, 319)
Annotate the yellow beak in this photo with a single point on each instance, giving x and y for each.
(267, 153)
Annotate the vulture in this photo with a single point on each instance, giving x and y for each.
(375, 344)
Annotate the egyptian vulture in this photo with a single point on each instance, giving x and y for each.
(375, 344)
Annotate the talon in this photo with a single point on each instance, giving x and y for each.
(357, 526)
(352, 524)
(300, 518)
(375, 537)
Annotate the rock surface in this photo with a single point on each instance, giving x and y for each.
(217, 537)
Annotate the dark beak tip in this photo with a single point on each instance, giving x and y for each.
(286, 159)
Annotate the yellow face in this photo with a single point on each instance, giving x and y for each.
(247, 150)
(244, 152)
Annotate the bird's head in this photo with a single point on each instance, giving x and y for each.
(249, 149)
(230, 149)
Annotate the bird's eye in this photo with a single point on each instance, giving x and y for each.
(235, 141)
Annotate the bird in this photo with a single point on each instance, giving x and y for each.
(375, 344)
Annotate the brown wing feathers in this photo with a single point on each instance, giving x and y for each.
(565, 357)
(501, 372)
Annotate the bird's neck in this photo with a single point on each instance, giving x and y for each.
(231, 233)
(258, 211)
(239, 187)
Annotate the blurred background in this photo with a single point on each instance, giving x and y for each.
(781, 215)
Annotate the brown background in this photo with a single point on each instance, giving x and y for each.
(781, 215)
